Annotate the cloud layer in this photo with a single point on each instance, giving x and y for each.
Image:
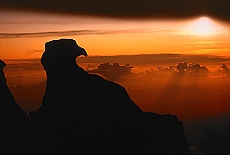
(128, 9)
(67, 33)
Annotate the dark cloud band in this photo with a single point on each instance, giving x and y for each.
(128, 9)
(68, 33)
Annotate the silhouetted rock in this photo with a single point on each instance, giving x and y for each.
(14, 129)
(84, 113)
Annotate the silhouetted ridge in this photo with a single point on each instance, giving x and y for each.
(84, 113)
(14, 121)
(94, 115)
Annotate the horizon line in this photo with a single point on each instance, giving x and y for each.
(130, 55)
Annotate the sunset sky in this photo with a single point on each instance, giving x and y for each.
(150, 35)
(25, 27)
(198, 31)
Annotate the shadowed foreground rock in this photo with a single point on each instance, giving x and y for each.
(84, 113)
(14, 122)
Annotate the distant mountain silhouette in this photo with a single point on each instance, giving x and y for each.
(84, 113)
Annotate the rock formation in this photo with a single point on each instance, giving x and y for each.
(14, 129)
(84, 113)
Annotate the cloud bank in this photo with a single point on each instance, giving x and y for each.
(128, 9)
(66, 33)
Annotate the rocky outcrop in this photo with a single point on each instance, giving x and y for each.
(84, 113)
(14, 129)
(94, 115)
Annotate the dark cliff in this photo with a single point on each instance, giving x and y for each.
(14, 122)
(84, 113)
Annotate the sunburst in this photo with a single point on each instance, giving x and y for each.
(203, 26)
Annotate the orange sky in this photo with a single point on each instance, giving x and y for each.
(23, 34)
(138, 27)
(194, 94)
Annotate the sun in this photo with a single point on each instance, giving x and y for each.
(203, 26)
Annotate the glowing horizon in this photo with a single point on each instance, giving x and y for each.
(23, 35)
